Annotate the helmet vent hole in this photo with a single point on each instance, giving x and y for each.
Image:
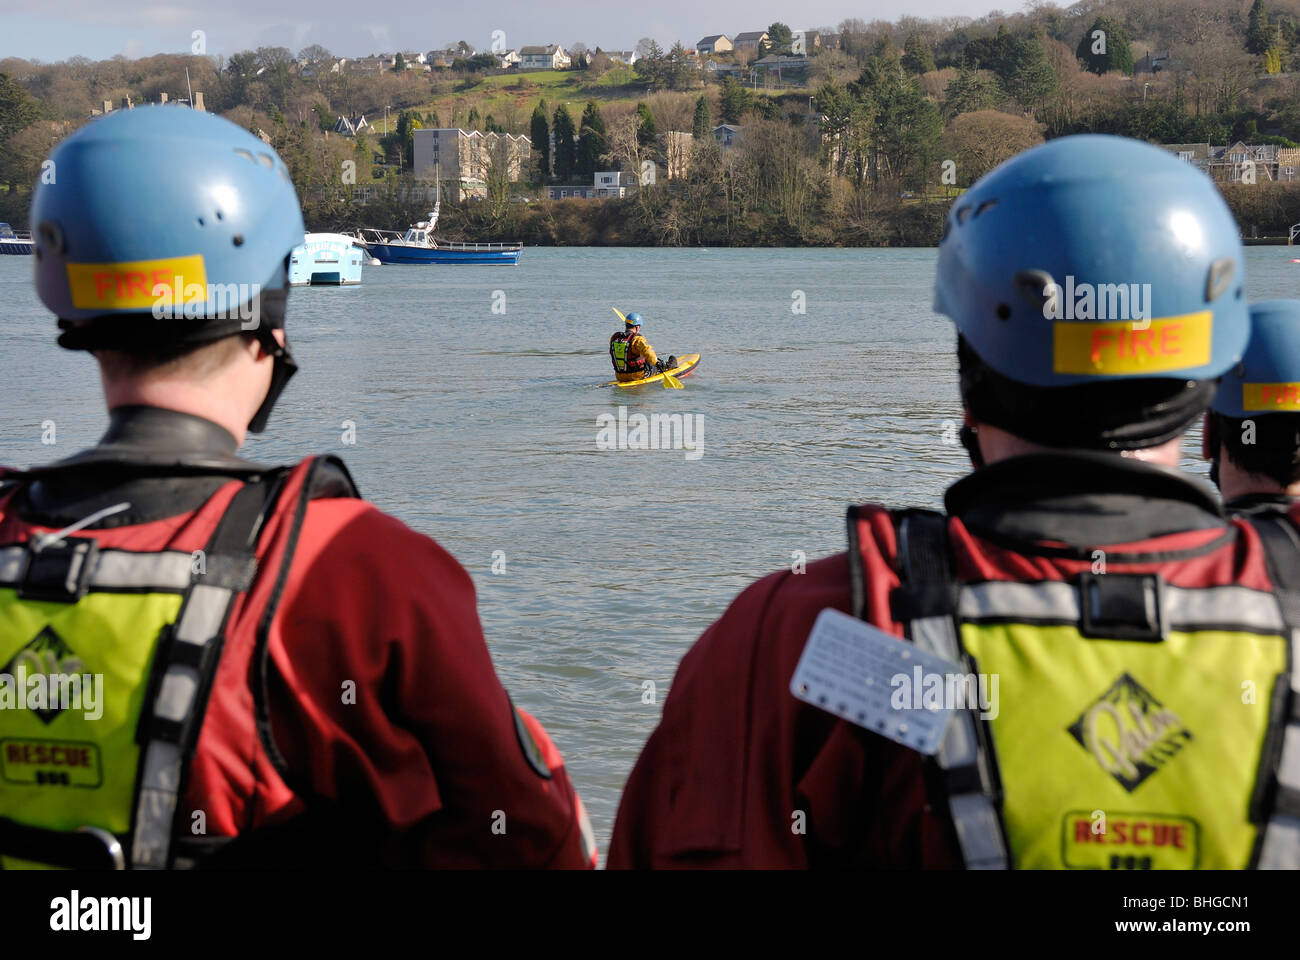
(1217, 280)
(219, 216)
(201, 221)
(986, 205)
(238, 240)
(1004, 312)
(963, 214)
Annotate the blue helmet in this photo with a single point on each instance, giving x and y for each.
(633, 320)
(154, 200)
(1267, 380)
(174, 208)
(1095, 258)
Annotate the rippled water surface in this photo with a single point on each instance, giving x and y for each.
(479, 428)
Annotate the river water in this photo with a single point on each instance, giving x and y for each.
(475, 414)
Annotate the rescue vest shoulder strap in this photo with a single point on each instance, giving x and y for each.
(1278, 798)
(185, 665)
(963, 771)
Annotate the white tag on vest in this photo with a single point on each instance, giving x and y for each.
(890, 687)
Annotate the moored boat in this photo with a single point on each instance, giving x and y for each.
(419, 245)
(13, 242)
(326, 259)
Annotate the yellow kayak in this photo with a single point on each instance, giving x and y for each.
(685, 364)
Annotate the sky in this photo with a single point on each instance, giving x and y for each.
(136, 28)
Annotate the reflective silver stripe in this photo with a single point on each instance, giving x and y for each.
(176, 693)
(156, 806)
(1183, 607)
(120, 570)
(203, 613)
(114, 569)
(937, 635)
(1281, 847)
(11, 565)
(1281, 850)
(959, 747)
(978, 831)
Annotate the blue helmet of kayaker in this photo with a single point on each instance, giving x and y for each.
(1267, 380)
(165, 227)
(632, 320)
(1098, 288)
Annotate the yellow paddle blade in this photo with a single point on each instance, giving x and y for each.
(620, 314)
(671, 382)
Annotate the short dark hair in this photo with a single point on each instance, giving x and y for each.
(1130, 414)
(1275, 448)
(197, 359)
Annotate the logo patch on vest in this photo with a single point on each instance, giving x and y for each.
(1129, 732)
(47, 656)
(1128, 841)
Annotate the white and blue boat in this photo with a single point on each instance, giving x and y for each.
(13, 242)
(326, 259)
(418, 245)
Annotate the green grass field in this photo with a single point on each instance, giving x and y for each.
(512, 97)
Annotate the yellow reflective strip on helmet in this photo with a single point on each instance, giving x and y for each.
(138, 283)
(1118, 754)
(71, 761)
(1270, 397)
(1127, 347)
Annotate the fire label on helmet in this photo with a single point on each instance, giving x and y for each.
(138, 284)
(1119, 347)
(1270, 397)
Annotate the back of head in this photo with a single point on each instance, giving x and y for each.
(1255, 418)
(164, 228)
(1097, 285)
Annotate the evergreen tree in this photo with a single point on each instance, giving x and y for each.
(645, 130)
(400, 65)
(1258, 36)
(702, 126)
(591, 141)
(736, 99)
(1107, 36)
(968, 92)
(905, 127)
(473, 120)
(566, 158)
(1028, 77)
(779, 39)
(539, 131)
(917, 55)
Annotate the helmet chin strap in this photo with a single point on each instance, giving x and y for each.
(272, 305)
(970, 439)
(1216, 450)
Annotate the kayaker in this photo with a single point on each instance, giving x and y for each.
(1252, 434)
(632, 355)
(296, 678)
(1104, 619)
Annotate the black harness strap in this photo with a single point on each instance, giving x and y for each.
(184, 668)
(962, 775)
(1277, 793)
